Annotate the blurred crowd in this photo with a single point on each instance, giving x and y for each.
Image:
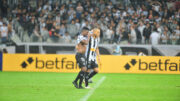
(120, 21)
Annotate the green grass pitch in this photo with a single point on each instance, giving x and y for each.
(39, 86)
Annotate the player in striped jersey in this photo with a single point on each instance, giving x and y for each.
(82, 41)
(91, 52)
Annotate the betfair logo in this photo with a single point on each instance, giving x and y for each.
(56, 63)
(130, 64)
(27, 62)
(156, 65)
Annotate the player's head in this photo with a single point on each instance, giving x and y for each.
(96, 32)
(4, 24)
(85, 31)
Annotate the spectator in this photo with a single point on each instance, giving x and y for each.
(49, 24)
(11, 31)
(4, 33)
(58, 19)
(47, 6)
(71, 14)
(42, 24)
(156, 5)
(166, 30)
(141, 29)
(109, 34)
(72, 29)
(36, 36)
(102, 5)
(56, 32)
(62, 30)
(45, 34)
(159, 29)
(85, 23)
(177, 30)
(31, 25)
(155, 37)
(67, 38)
(78, 25)
(87, 13)
(164, 37)
(173, 25)
(147, 33)
(62, 10)
(174, 38)
(71, 11)
(103, 28)
(138, 35)
(133, 37)
(1, 22)
(4, 8)
(124, 37)
(120, 26)
(79, 9)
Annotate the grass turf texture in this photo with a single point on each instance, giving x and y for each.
(36, 86)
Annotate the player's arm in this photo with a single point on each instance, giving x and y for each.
(84, 42)
(81, 42)
(77, 46)
(98, 54)
(89, 35)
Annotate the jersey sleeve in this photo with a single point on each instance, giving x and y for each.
(80, 38)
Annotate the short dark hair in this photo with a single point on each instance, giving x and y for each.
(4, 23)
(85, 28)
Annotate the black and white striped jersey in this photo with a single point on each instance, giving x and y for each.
(80, 38)
(91, 49)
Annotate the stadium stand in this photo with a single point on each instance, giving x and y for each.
(120, 21)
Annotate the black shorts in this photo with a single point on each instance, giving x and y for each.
(81, 60)
(92, 64)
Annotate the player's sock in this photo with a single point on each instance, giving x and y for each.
(86, 78)
(81, 78)
(78, 77)
(92, 74)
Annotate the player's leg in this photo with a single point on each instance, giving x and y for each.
(81, 62)
(89, 68)
(82, 73)
(87, 77)
(90, 80)
(76, 80)
(78, 76)
(95, 70)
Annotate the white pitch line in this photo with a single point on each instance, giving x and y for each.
(85, 98)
